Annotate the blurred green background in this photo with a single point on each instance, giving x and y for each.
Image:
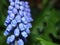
(46, 24)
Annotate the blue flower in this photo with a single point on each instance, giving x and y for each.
(17, 6)
(21, 26)
(28, 31)
(24, 20)
(9, 11)
(20, 42)
(24, 34)
(11, 15)
(17, 2)
(14, 23)
(7, 19)
(21, 7)
(14, 11)
(6, 33)
(26, 3)
(22, 3)
(21, 13)
(28, 25)
(18, 22)
(16, 32)
(18, 18)
(10, 7)
(9, 27)
(10, 39)
(12, 3)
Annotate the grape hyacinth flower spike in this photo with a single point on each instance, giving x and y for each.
(18, 22)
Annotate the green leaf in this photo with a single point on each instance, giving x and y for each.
(45, 42)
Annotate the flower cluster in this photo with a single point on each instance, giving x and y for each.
(18, 22)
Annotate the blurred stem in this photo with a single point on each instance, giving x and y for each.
(16, 42)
